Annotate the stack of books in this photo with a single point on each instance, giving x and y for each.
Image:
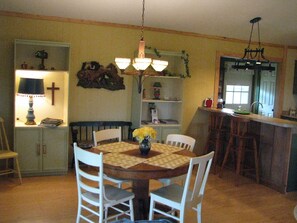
(51, 122)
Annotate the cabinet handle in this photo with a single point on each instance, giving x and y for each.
(43, 149)
(38, 149)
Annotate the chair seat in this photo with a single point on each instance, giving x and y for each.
(85, 144)
(5, 154)
(172, 193)
(115, 180)
(118, 195)
(167, 181)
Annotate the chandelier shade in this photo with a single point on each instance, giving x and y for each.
(123, 63)
(140, 63)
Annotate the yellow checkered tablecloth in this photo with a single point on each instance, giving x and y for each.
(115, 155)
(122, 160)
(163, 148)
(116, 147)
(169, 161)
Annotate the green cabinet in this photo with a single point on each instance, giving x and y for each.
(42, 151)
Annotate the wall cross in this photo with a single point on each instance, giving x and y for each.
(53, 88)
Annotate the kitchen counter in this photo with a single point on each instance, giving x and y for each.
(257, 118)
(277, 142)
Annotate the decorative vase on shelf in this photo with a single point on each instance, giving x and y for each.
(157, 89)
(145, 146)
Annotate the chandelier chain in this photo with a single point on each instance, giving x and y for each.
(251, 34)
(259, 35)
(142, 19)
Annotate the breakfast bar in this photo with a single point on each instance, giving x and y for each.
(277, 148)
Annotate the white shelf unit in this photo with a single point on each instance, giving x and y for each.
(169, 106)
(42, 151)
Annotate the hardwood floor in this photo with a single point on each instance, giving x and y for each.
(54, 199)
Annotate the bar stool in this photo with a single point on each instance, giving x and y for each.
(240, 143)
(216, 137)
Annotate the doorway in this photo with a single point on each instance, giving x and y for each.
(240, 88)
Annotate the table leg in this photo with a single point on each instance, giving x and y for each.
(141, 201)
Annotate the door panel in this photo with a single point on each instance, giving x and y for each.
(27, 144)
(267, 93)
(54, 149)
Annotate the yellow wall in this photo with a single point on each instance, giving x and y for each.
(103, 44)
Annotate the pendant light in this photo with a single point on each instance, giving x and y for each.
(253, 58)
(140, 63)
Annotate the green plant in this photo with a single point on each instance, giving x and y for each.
(184, 57)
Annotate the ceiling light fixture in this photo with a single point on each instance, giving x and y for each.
(253, 58)
(140, 63)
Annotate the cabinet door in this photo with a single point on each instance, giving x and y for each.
(27, 144)
(54, 149)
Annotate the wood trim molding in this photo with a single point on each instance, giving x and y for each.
(91, 22)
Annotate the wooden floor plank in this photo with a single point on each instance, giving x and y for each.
(54, 199)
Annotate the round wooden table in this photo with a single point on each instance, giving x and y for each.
(140, 176)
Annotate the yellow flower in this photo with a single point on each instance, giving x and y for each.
(144, 132)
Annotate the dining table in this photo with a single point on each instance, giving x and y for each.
(123, 160)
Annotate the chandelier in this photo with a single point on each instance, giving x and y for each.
(253, 58)
(140, 63)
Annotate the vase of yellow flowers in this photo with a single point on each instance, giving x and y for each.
(144, 135)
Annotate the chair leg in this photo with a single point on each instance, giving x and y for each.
(131, 210)
(217, 150)
(152, 206)
(230, 144)
(199, 207)
(18, 169)
(78, 212)
(256, 160)
(182, 215)
(239, 161)
(106, 215)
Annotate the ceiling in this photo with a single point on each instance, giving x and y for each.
(223, 18)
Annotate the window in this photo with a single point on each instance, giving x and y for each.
(237, 94)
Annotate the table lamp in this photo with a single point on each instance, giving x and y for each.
(31, 87)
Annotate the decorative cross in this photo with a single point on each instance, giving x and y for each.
(53, 88)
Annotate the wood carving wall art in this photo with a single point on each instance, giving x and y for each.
(94, 75)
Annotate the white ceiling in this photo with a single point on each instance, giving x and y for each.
(224, 18)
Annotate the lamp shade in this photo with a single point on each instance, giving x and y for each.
(159, 65)
(31, 86)
(141, 63)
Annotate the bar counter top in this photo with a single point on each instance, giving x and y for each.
(257, 118)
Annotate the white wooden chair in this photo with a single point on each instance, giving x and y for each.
(183, 141)
(95, 198)
(6, 154)
(179, 197)
(109, 135)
